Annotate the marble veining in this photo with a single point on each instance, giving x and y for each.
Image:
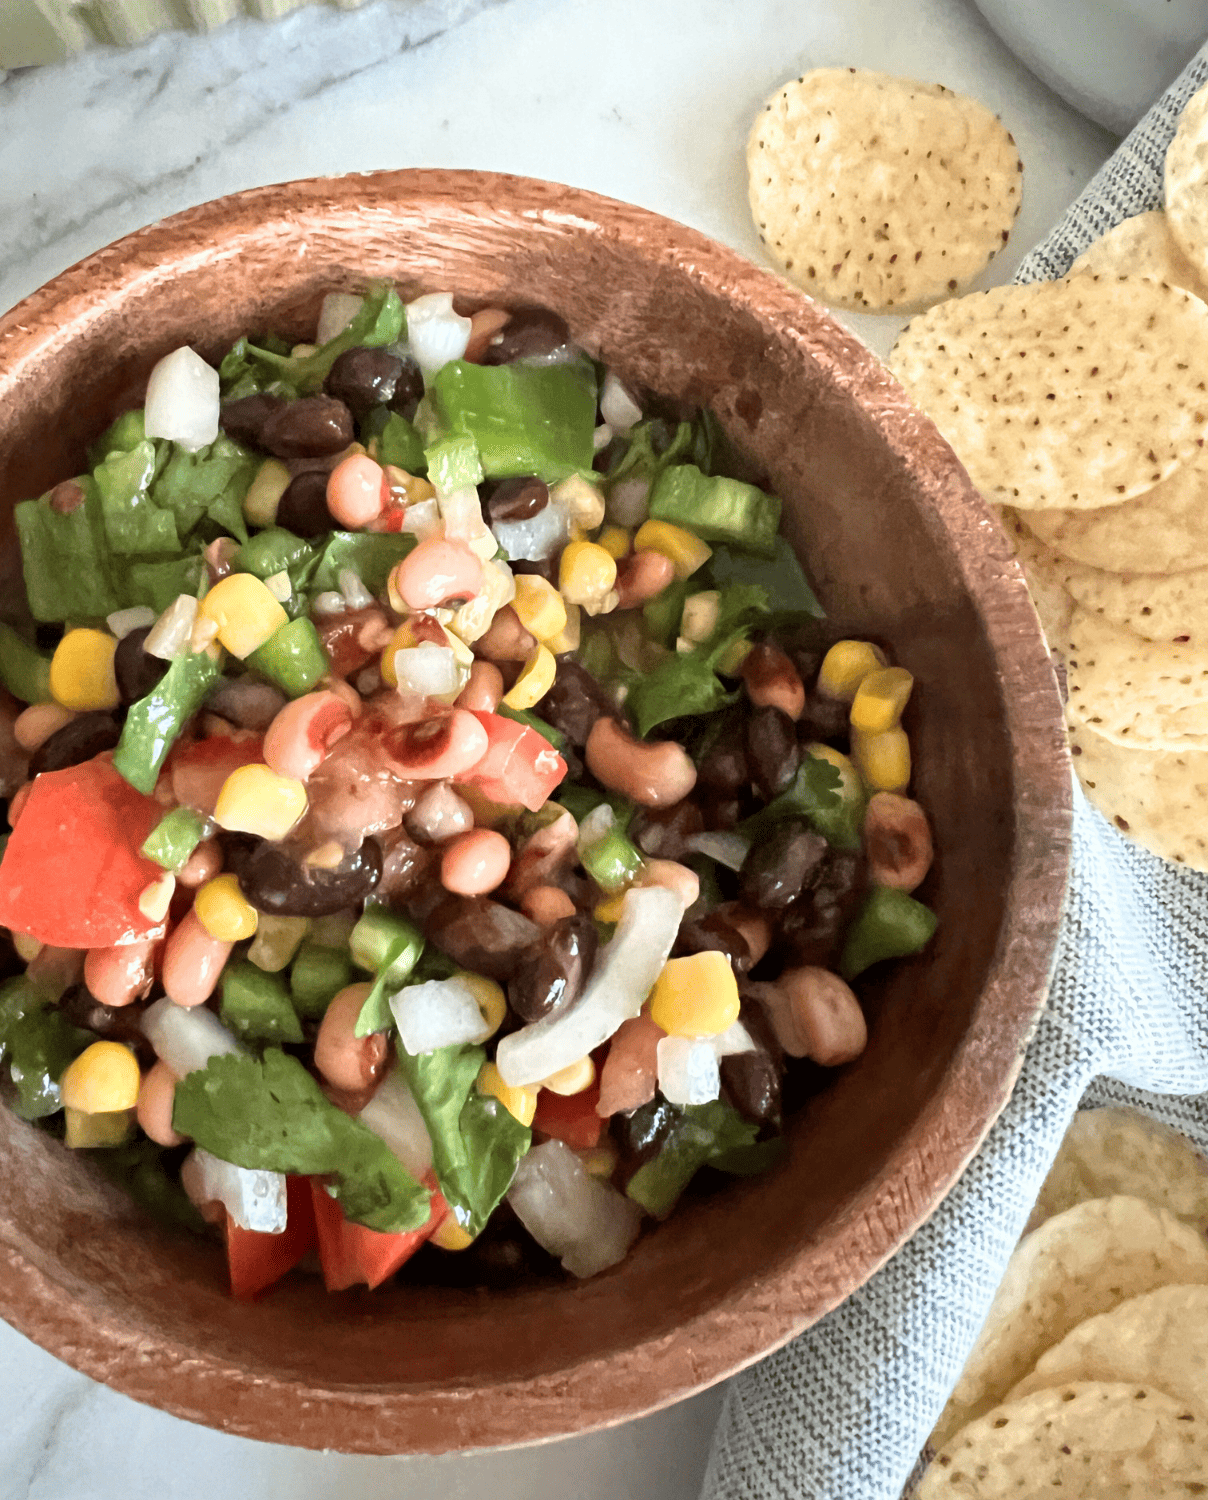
(647, 100)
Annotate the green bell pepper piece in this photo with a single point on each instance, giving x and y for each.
(174, 837)
(24, 671)
(256, 1006)
(891, 924)
(613, 861)
(317, 976)
(454, 463)
(399, 444)
(293, 657)
(389, 946)
(153, 723)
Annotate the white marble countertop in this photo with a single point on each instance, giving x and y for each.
(647, 100)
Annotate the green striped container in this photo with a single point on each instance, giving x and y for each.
(41, 31)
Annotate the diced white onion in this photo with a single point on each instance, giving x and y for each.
(595, 826)
(471, 620)
(122, 621)
(427, 668)
(186, 1037)
(435, 333)
(699, 619)
(439, 814)
(422, 519)
(582, 501)
(169, 637)
(254, 1199)
(182, 400)
(729, 849)
(617, 406)
(440, 1013)
(601, 437)
(461, 511)
(732, 1041)
(628, 502)
(687, 1070)
(581, 1219)
(538, 537)
(329, 602)
(623, 975)
(356, 595)
(393, 1115)
(279, 586)
(155, 899)
(338, 310)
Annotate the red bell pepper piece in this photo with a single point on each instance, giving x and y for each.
(520, 765)
(72, 872)
(257, 1260)
(570, 1118)
(351, 1253)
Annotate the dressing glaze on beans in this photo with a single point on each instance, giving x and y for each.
(526, 738)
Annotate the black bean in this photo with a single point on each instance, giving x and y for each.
(716, 932)
(813, 925)
(641, 1133)
(772, 751)
(752, 1080)
(724, 766)
(517, 499)
(79, 740)
(117, 1023)
(529, 332)
(136, 670)
(574, 702)
(483, 936)
(546, 567)
(303, 507)
(311, 427)
(11, 961)
(823, 719)
(274, 881)
(553, 975)
(662, 832)
(779, 865)
(364, 378)
(244, 420)
(409, 389)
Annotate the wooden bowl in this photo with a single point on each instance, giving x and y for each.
(894, 537)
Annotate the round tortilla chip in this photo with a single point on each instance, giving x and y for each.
(1158, 1339)
(1163, 530)
(1121, 1150)
(874, 192)
(1083, 1441)
(1187, 182)
(1141, 246)
(1151, 694)
(1156, 606)
(1076, 393)
(1158, 798)
(1043, 572)
(1078, 1263)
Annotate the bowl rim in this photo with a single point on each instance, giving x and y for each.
(198, 1385)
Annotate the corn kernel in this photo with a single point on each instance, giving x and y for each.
(686, 551)
(883, 759)
(27, 947)
(534, 681)
(103, 1079)
(224, 911)
(521, 1103)
(256, 800)
(572, 1079)
(265, 491)
(695, 996)
(539, 605)
(155, 899)
(245, 611)
(277, 940)
(609, 911)
(569, 636)
(108, 1128)
(488, 996)
(601, 1160)
(582, 501)
(411, 488)
(81, 671)
(845, 666)
(449, 1235)
(880, 699)
(729, 663)
(616, 541)
(699, 619)
(586, 576)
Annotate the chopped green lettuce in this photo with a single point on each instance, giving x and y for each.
(134, 521)
(269, 1114)
(716, 508)
(70, 572)
(249, 368)
(370, 555)
(781, 575)
(208, 484)
(476, 1143)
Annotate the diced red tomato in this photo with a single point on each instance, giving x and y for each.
(520, 765)
(72, 872)
(257, 1260)
(350, 1253)
(570, 1118)
(198, 768)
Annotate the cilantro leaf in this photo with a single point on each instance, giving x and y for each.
(269, 1114)
(476, 1143)
(36, 1044)
(820, 794)
(382, 319)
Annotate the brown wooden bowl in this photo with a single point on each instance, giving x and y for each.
(895, 539)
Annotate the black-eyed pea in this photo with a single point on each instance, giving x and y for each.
(897, 841)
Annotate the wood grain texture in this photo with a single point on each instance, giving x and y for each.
(897, 542)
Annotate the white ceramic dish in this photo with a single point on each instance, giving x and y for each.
(1110, 59)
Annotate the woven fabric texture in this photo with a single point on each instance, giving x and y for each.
(843, 1411)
